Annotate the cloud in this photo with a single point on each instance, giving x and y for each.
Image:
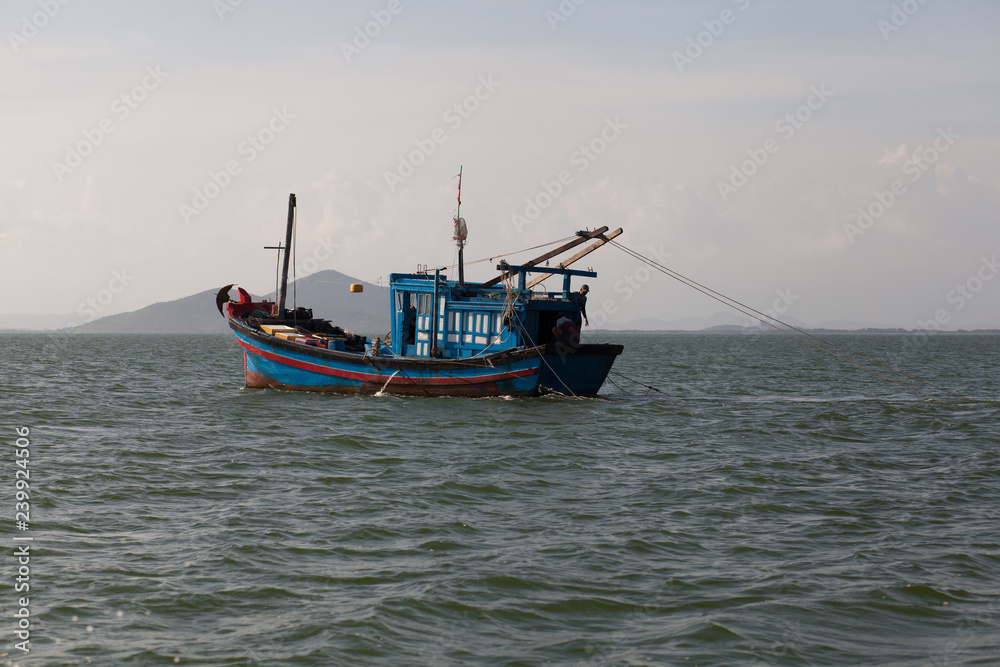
(895, 156)
(353, 121)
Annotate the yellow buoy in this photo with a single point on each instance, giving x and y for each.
(357, 287)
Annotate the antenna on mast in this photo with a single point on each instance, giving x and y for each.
(461, 233)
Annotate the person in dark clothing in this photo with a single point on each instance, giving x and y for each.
(580, 300)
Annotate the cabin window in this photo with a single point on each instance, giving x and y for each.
(482, 327)
(470, 321)
(454, 320)
(478, 326)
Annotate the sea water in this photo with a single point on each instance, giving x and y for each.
(728, 500)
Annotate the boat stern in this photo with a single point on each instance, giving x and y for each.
(576, 371)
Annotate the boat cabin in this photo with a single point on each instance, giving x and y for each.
(468, 319)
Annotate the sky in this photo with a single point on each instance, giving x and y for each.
(831, 161)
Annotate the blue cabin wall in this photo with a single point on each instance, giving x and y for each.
(470, 318)
(466, 325)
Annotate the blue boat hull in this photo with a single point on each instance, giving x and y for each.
(276, 363)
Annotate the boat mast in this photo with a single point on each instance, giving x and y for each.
(283, 288)
(461, 232)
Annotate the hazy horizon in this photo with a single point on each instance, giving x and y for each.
(831, 162)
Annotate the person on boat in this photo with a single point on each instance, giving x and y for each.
(566, 332)
(579, 299)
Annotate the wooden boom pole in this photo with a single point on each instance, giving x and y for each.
(583, 253)
(582, 238)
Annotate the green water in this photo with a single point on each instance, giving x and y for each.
(769, 506)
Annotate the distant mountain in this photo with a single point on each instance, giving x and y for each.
(850, 325)
(326, 292)
(193, 314)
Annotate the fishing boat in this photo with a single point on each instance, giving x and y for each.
(502, 337)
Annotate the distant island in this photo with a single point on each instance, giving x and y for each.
(326, 292)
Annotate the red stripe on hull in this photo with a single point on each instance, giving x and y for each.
(370, 378)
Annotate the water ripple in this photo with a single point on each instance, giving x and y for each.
(772, 507)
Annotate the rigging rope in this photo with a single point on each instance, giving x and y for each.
(637, 382)
(763, 318)
(509, 312)
(514, 252)
(477, 261)
(618, 386)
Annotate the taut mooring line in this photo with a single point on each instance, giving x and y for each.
(641, 384)
(763, 318)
